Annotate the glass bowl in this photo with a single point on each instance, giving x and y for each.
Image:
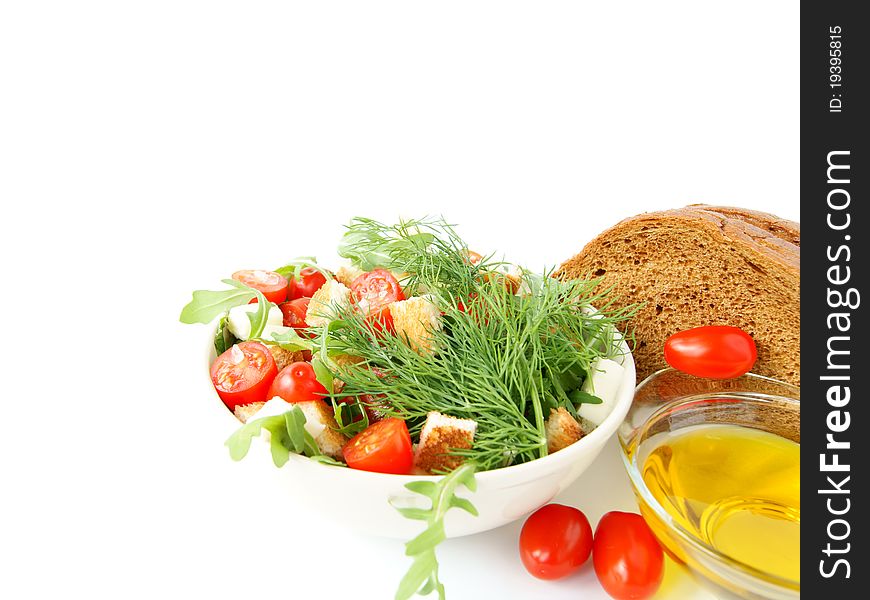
(669, 401)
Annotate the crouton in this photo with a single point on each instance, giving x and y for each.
(440, 434)
(415, 319)
(244, 412)
(284, 358)
(347, 273)
(323, 302)
(343, 360)
(562, 430)
(320, 423)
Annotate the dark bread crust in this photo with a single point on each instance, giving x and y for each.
(703, 265)
(786, 230)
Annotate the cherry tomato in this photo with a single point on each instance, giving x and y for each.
(374, 406)
(374, 292)
(243, 374)
(628, 559)
(715, 351)
(273, 286)
(297, 383)
(384, 447)
(555, 541)
(294, 312)
(306, 282)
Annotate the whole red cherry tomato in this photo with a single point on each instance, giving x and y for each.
(555, 541)
(305, 283)
(714, 351)
(627, 557)
(297, 383)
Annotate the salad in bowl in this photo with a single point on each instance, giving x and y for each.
(414, 369)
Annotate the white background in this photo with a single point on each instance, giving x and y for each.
(150, 148)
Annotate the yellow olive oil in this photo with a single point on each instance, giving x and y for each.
(735, 488)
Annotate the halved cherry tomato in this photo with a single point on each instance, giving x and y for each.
(297, 383)
(714, 351)
(294, 312)
(555, 541)
(272, 285)
(384, 447)
(305, 283)
(373, 292)
(628, 559)
(243, 374)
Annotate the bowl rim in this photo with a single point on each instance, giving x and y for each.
(640, 487)
(556, 460)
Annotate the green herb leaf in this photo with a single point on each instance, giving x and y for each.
(259, 317)
(327, 460)
(321, 372)
(289, 270)
(294, 421)
(223, 337)
(350, 416)
(292, 341)
(206, 304)
(287, 434)
(422, 576)
(581, 397)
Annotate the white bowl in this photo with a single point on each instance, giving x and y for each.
(502, 495)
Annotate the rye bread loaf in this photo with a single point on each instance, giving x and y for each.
(703, 265)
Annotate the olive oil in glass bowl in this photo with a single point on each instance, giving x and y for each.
(715, 465)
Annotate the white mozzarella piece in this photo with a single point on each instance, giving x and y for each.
(240, 324)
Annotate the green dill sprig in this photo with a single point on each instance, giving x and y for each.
(500, 359)
(427, 253)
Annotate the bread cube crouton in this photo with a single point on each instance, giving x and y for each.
(347, 273)
(320, 423)
(321, 307)
(284, 358)
(244, 412)
(415, 320)
(440, 434)
(562, 430)
(343, 360)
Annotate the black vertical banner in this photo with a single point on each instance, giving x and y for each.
(835, 432)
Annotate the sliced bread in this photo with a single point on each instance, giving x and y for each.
(703, 265)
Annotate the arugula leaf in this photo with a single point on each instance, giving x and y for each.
(345, 413)
(572, 377)
(207, 304)
(579, 396)
(223, 338)
(327, 460)
(287, 434)
(292, 341)
(259, 317)
(368, 260)
(321, 372)
(422, 576)
(289, 270)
